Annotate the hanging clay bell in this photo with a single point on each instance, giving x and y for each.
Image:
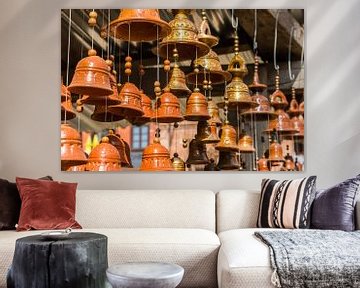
(263, 164)
(104, 157)
(196, 107)
(147, 109)
(294, 105)
(144, 25)
(206, 132)
(130, 105)
(123, 148)
(246, 144)
(67, 110)
(214, 113)
(276, 152)
(227, 139)
(282, 124)
(264, 109)
(289, 163)
(91, 77)
(168, 109)
(71, 150)
(228, 161)
(298, 123)
(177, 163)
(205, 32)
(156, 158)
(301, 108)
(278, 99)
(183, 37)
(177, 82)
(211, 64)
(197, 153)
(65, 93)
(211, 166)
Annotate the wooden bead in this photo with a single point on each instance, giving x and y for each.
(128, 59)
(205, 82)
(79, 102)
(92, 22)
(141, 72)
(92, 52)
(112, 57)
(166, 62)
(157, 83)
(196, 70)
(157, 89)
(167, 68)
(93, 14)
(141, 66)
(79, 108)
(128, 65)
(103, 34)
(109, 62)
(176, 125)
(128, 71)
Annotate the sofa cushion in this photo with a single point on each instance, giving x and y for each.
(286, 204)
(334, 208)
(244, 260)
(46, 204)
(146, 209)
(194, 249)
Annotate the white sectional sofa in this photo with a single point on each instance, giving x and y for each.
(210, 235)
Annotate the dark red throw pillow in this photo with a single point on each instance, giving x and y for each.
(46, 204)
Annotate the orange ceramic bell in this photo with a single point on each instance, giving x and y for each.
(143, 24)
(156, 158)
(104, 157)
(264, 109)
(205, 32)
(71, 151)
(197, 153)
(147, 108)
(177, 82)
(246, 144)
(77, 168)
(67, 110)
(262, 164)
(227, 139)
(294, 105)
(123, 148)
(282, 123)
(177, 163)
(91, 77)
(167, 109)
(102, 114)
(276, 152)
(228, 161)
(278, 99)
(289, 163)
(65, 93)
(130, 105)
(301, 108)
(183, 37)
(196, 107)
(298, 123)
(214, 113)
(211, 64)
(206, 132)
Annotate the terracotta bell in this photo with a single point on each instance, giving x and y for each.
(65, 93)
(227, 139)
(183, 37)
(196, 107)
(156, 158)
(263, 164)
(211, 64)
(264, 109)
(71, 151)
(282, 123)
(289, 163)
(144, 24)
(205, 32)
(77, 168)
(276, 152)
(91, 77)
(294, 105)
(177, 163)
(301, 108)
(67, 110)
(130, 105)
(167, 109)
(214, 113)
(122, 147)
(278, 99)
(298, 123)
(228, 161)
(206, 132)
(177, 82)
(104, 157)
(237, 91)
(197, 153)
(246, 144)
(211, 166)
(147, 108)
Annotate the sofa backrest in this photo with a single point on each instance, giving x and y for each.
(236, 209)
(146, 209)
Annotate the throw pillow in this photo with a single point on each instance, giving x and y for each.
(10, 203)
(334, 208)
(46, 204)
(286, 204)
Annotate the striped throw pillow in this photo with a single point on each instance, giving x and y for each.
(286, 204)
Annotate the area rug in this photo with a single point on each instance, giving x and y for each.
(313, 258)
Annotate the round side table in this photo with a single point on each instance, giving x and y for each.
(78, 261)
(145, 275)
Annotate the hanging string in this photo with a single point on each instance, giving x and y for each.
(291, 75)
(128, 51)
(255, 45)
(196, 74)
(82, 38)
(108, 35)
(103, 21)
(238, 131)
(275, 40)
(158, 80)
(167, 57)
(92, 34)
(141, 64)
(68, 49)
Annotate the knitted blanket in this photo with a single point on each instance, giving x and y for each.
(313, 258)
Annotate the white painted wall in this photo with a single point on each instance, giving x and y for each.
(29, 89)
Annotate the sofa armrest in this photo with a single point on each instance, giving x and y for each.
(357, 215)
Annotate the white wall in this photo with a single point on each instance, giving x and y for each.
(29, 89)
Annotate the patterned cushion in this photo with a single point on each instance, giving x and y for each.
(286, 204)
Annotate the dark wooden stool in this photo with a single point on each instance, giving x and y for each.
(78, 261)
